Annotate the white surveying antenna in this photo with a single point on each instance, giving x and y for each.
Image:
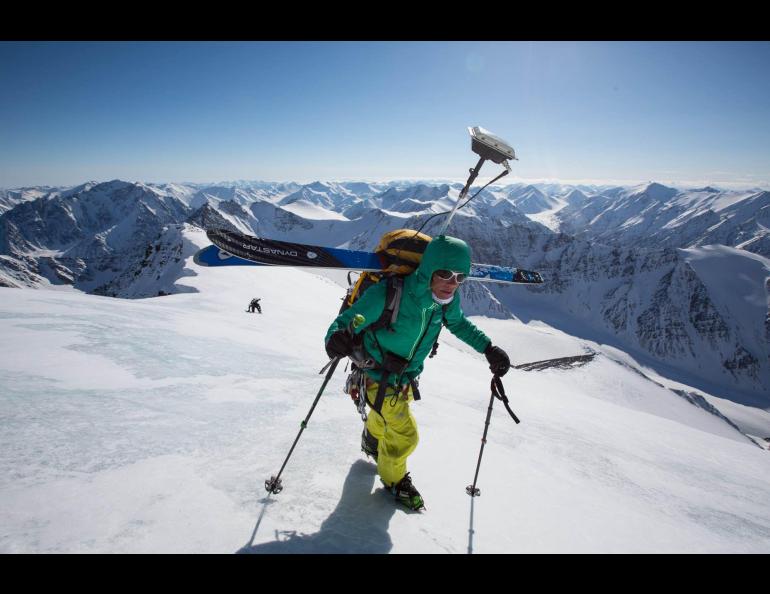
(488, 147)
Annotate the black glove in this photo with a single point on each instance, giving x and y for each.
(499, 363)
(340, 344)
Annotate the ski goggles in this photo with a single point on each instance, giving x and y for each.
(448, 275)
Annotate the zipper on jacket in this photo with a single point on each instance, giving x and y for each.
(422, 327)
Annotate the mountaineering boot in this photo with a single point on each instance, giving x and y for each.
(369, 444)
(407, 494)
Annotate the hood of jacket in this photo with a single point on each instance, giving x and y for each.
(443, 252)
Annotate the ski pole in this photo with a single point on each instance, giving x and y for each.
(498, 391)
(273, 484)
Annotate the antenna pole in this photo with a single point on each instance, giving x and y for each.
(474, 174)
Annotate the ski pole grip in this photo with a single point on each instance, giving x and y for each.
(498, 391)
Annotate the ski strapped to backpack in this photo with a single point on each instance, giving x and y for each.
(232, 248)
(400, 253)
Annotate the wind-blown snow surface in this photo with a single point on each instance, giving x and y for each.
(151, 425)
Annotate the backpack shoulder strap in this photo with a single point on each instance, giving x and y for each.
(394, 289)
(393, 299)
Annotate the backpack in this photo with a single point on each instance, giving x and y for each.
(400, 254)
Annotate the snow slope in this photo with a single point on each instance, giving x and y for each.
(151, 425)
(308, 210)
(746, 299)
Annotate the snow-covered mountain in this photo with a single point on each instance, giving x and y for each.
(161, 270)
(531, 200)
(10, 198)
(656, 215)
(575, 198)
(699, 313)
(82, 237)
(637, 272)
(331, 196)
(365, 190)
(243, 193)
(421, 195)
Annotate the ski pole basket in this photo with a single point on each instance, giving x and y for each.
(274, 485)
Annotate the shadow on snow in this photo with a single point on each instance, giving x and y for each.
(359, 523)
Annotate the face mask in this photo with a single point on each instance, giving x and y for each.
(442, 301)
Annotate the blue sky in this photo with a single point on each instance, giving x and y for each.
(215, 111)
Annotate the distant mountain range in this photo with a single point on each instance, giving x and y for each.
(655, 215)
(679, 276)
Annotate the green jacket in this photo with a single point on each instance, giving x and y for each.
(419, 316)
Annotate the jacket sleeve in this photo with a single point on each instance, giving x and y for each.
(369, 305)
(464, 329)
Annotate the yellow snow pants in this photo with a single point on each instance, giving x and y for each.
(396, 430)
